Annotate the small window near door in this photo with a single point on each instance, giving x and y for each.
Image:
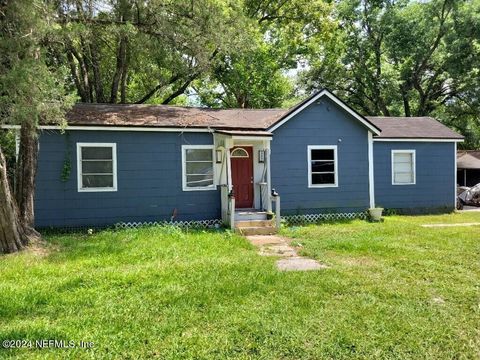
(322, 166)
(403, 167)
(198, 167)
(96, 167)
(239, 153)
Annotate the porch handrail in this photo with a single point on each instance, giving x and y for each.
(276, 199)
(228, 206)
(224, 202)
(264, 196)
(231, 210)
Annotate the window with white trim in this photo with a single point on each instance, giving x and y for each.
(403, 167)
(198, 167)
(322, 166)
(97, 166)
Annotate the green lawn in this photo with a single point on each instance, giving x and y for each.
(393, 290)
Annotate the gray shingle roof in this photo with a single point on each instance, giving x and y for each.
(413, 127)
(171, 116)
(236, 119)
(468, 159)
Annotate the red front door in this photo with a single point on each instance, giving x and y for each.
(242, 176)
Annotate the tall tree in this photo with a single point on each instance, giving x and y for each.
(404, 58)
(149, 51)
(30, 92)
(280, 35)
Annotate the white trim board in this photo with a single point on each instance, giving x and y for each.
(116, 128)
(80, 187)
(251, 138)
(336, 100)
(456, 180)
(309, 167)
(417, 140)
(371, 173)
(414, 165)
(184, 168)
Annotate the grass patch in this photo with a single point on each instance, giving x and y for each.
(393, 290)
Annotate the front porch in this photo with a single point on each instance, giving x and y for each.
(243, 172)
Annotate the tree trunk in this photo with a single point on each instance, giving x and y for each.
(123, 81)
(97, 77)
(406, 105)
(76, 77)
(121, 59)
(179, 91)
(12, 233)
(25, 176)
(156, 88)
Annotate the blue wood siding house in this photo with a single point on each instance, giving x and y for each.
(146, 163)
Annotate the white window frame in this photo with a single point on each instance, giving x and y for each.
(414, 165)
(309, 165)
(184, 168)
(113, 146)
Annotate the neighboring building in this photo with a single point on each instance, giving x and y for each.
(138, 163)
(468, 167)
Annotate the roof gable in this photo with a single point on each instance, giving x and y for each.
(315, 97)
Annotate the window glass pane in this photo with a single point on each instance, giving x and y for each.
(100, 181)
(323, 166)
(199, 155)
(403, 158)
(323, 179)
(403, 178)
(199, 180)
(403, 167)
(89, 167)
(326, 154)
(199, 168)
(239, 153)
(96, 153)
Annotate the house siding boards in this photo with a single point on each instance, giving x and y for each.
(149, 180)
(435, 168)
(320, 124)
(149, 162)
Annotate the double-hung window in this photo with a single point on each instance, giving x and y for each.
(97, 166)
(403, 167)
(322, 166)
(197, 167)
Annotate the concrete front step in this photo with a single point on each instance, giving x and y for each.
(253, 223)
(256, 230)
(250, 215)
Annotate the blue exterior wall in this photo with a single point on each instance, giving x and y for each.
(320, 124)
(149, 180)
(435, 177)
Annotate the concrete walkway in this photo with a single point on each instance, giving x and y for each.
(451, 225)
(273, 245)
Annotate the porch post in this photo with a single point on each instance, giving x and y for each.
(228, 146)
(269, 175)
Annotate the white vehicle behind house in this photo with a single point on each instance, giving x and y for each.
(468, 196)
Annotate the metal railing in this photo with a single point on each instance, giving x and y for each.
(276, 199)
(264, 196)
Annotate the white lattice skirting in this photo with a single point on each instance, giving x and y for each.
(205, 224)
(314, 218)
(183, 224)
